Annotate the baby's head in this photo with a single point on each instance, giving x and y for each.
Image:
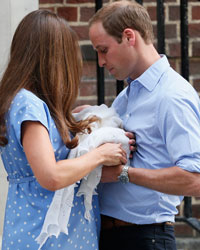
(107, 116)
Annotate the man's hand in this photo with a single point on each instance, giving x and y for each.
(111, 173)
(80, 108)
(132, 143)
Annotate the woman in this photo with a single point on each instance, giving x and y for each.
(37, 130)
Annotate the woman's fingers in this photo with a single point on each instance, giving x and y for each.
(114, 154)
(123, 151)
(122, 155)
(123, 160)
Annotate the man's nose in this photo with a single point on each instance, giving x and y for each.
(101, 60)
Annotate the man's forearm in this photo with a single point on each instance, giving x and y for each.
(173, 180)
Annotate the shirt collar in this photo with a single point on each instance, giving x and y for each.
(150, 78)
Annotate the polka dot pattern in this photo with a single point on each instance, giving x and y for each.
(27, 202)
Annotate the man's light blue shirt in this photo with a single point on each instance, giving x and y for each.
(163, 110)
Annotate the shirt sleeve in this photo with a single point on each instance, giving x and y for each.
(27, 107)
(179, 125)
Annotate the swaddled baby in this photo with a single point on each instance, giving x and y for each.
(108, 128)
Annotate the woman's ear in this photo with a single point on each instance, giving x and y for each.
(129, 35)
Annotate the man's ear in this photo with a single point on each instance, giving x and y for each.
(129, 35)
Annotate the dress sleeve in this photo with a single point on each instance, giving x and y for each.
(27, 107)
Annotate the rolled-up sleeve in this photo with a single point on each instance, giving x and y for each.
(179, 125)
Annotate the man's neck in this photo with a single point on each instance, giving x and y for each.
(147, 56)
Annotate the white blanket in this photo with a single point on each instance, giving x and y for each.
(109, 129)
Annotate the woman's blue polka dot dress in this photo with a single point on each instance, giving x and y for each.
(27, 201)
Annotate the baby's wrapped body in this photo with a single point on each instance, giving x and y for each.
(107, 129)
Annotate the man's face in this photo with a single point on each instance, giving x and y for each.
(115, 57)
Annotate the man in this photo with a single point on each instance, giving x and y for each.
(138, 204)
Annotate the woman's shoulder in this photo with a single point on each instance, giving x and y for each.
(26, 106)
(25, 95)
(26, 99)
(26, 102)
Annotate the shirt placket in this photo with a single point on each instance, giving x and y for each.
(132, 100)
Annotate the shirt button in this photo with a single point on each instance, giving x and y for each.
(153, 240)
(127, 115)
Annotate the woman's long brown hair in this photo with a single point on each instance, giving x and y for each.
(45, 58)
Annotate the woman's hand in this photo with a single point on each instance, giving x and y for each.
(112, 154)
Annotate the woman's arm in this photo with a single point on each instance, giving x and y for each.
(54, 175)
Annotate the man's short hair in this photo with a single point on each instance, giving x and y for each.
(117, 16)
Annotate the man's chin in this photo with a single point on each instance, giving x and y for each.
(117, 77)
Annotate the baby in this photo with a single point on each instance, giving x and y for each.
(108, 128)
